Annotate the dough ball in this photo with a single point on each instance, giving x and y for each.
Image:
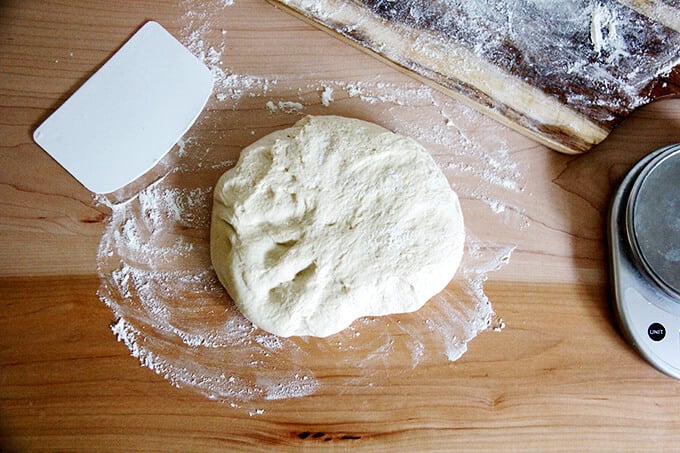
(331, 220)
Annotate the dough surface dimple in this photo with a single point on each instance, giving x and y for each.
(331, 220)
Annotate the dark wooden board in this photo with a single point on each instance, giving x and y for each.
(563, 73)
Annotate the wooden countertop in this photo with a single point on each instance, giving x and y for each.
(558, 377)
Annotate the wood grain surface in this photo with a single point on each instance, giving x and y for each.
(559, 377)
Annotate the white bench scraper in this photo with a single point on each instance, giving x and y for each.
(131, 112)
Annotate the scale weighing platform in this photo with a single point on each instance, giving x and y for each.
(644, 238)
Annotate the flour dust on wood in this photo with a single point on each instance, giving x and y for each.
(177, 320)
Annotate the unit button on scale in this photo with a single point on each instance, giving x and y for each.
(644, 238)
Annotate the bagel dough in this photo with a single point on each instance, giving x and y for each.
(331, 220)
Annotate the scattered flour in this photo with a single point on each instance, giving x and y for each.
(326, 96)
(175, 317)
(284, 106)
(605, 35)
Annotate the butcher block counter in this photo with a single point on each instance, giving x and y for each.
(549, 371)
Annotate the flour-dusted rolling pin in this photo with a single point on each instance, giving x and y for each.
(563, 73)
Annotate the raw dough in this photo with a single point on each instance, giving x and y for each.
(331, 220)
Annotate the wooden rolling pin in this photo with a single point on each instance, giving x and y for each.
(564, 73)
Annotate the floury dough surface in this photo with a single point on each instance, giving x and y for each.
(331, 220)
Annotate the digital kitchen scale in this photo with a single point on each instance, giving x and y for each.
(644, 238)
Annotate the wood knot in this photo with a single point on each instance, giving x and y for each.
(309, 435)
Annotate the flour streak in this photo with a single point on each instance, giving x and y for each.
(177, 320)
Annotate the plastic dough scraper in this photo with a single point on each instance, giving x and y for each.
(130, 113)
